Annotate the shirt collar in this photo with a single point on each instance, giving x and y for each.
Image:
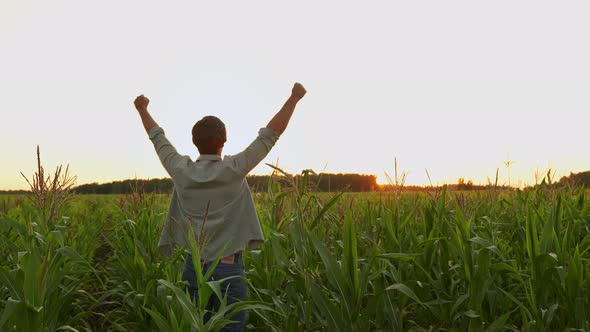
(212, 157)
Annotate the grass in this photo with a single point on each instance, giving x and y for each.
(461, 261)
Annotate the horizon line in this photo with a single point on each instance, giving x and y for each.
(403, 184)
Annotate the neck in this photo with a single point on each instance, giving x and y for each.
(218, 153)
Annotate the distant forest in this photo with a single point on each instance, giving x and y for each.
(323, 182)
(258, 183)
(576, 179)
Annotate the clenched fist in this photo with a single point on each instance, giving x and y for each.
(298, 91)
(141, 103)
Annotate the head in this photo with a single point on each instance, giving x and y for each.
(209, 135)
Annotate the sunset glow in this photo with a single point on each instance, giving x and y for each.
(455, 88)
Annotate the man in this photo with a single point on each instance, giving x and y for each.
(212, 197)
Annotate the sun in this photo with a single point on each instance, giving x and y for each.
(382, 180)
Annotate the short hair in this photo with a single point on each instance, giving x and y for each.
(209, 134)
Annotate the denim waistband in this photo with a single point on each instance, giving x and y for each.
(236, 255)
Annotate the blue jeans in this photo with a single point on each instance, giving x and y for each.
(237, 288)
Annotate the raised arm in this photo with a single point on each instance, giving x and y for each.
(280, 121)
(170, 158)
(246, 160)
(141, 104)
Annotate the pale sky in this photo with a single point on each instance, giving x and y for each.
(455, 87)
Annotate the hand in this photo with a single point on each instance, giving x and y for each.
(298, 91)
(141, 103)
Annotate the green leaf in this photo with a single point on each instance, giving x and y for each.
(159, 319)
(398, 256)
(333, 271)
(72, 254)
(460, 300)
(481, 281)
(184, 300)
(532, 241)
(498, 324)
(406, 291)
(66, 328)
(34, 286)
(351, 259)
(488, 245)
(8, 281)
(325, 209)
(215, 286)
(56, 237)
(330, 312)
(9, 309)
(550, 313)
(518, 303)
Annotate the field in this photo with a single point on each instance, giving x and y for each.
(492, 260)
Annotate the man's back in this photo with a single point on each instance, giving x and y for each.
(215, 188)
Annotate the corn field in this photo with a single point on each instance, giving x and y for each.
(493, 260)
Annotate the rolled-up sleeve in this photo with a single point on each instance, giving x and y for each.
(170, 158)
(246, 160)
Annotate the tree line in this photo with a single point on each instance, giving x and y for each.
(323, 182)
(576, 179)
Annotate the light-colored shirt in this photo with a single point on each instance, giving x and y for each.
(230, 221)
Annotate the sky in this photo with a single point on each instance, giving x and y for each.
(452, 87)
